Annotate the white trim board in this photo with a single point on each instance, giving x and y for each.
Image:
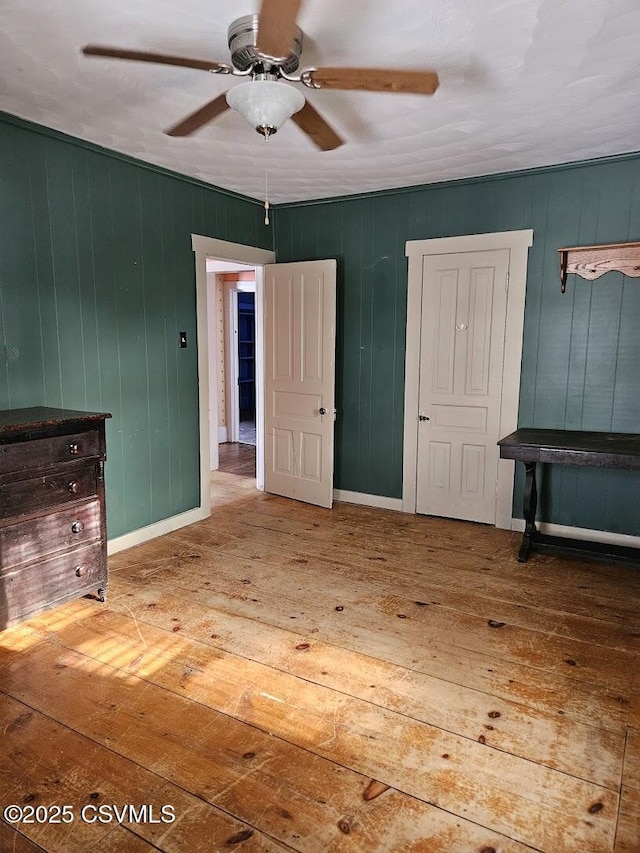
(518, 243)
(377, 501)
(586, 534)
(223, 250)
(152, 531)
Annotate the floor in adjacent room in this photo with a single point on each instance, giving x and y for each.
(292, 678)
(237, 458)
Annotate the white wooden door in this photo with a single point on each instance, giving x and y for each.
(300, 323)
(464, 300)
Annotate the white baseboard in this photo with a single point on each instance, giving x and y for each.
(222, 435)
(584, 533)
(152, 531)
(361, 498)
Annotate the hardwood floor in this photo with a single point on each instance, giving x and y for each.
(237, 458)
(292, 678)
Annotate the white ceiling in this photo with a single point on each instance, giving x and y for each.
(523, 83)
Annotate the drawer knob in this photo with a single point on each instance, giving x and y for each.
(81, 571)
(77, 527)
(73, 487)
(74, 449)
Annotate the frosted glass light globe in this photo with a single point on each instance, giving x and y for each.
(265, 104)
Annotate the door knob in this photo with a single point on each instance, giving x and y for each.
(423, 418)
(322, 410)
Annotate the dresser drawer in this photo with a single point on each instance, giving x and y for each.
(37, 538)
(38, 452)
(37, 493)
(30, 589)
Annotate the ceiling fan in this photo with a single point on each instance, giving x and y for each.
(266, 48)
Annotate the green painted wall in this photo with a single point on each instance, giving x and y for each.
(581, 360)
(96, 280)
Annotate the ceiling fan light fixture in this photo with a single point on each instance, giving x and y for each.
(265, 104)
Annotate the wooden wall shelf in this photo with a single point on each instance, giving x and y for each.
(593, 261)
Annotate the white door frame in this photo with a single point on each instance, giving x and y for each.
(231, 347)
(517, 242)
(209, 247)
(231, 290)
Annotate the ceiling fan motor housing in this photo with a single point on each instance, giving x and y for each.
(242, 38)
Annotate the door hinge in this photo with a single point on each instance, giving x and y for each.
(506, 284)
(496, 490)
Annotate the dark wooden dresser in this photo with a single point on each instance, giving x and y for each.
(53, 542)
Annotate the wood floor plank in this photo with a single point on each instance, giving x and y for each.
(558, 742)
(13, 841)
(628, 832)
(490, 548)
(634, 709)
(237, 458)
(535, 688)
(612, 667)
(454, 568)
(621, 635)
(462, 776)
(335, 680)
(220, 760)
(631, 769)
(97, 777)
(120, 840)
(246, 590)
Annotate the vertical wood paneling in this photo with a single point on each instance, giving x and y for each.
(129, 308)
(45, 284)
(385, 405)
(96, 280)
(157, 343)
(367, 429)
(64, 267)
(581, 349)
(21, 344)
(86, 280)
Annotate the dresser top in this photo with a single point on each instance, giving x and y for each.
(36, 417)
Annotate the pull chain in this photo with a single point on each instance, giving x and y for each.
(266, 184)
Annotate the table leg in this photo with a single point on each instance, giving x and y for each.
(529, 507)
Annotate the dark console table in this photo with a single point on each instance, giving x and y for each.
(568, 447)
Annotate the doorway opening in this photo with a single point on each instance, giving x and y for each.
(209, 340)
(233, 365)
(297, 461)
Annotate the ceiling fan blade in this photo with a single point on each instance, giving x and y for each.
(311, 122)
(376, 80)
(277, 26)
(146, 56)
(200, 117)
